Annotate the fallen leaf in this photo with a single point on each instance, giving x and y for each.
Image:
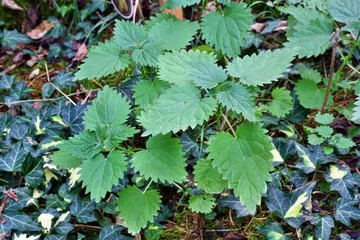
(257, 27)
(41, 30)
(34, 73)
(81, 53)
(11, 4)
(281, 26)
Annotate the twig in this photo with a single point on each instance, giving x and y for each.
(228, 122)
(334, 41)
(87, 226)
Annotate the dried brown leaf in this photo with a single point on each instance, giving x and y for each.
(258, 27)
(41, 30)
(11, 4)
(81, 53)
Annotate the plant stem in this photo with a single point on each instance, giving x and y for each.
(334, 40)
(148, 186)
(228, 122)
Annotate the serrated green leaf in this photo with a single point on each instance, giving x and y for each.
(320, 5)
(310, 74)
(345, 211)
(345, 10)
(147, 54)
(117, 134)
(236, 97)
(324, 131)
(324, 119)
(208, 178)
(177, 109)
(310, 95)
(128, 35)
(203, 203)
(102, 60)
(323, 228)
(159, 17)
(173, 66)
(356, 114)
(245, 161)
(98, 174)
(314, 139)
(108, 109)
(138, 208)
(172, 4)
(65, 160)
(340, 141)
(147, 91)
(282, 102)
(162, 160)
(227, 30)
(262, 68)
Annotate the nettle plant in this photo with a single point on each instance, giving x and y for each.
(184, 86)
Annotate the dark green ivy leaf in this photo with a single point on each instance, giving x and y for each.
(83, 211)
(323, 227)
(273, 231)
(345, 211)
(234, 203)
(12, 161)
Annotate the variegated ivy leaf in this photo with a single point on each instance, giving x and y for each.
(341, 180)
(234, 203)
(273, 231)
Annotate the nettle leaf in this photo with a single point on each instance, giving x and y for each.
(162, 160)
(159, 17)
(324, 131)
(102, 60)
(208, 178)
(234, 203)
(83, 211)
(345, 211)
(310, 74)
(99, 174)
(137, 207)
(13, 160)
(324, 119)
(147, 91)
(310, 95)
(172, 4)
(273, 231)
(282, 102)
(173, 66)
(108, 109)
(177, 109)
(320, 5)
(202, 203)
(117, 134)
(128, 35)
(323, 228)
(238, 98)
(340, 141)
(228, 29)
(288, 206)
(266, 67)
(356, 114)
(147, 54)
(345, 10)
(341, 180)
(245, 161)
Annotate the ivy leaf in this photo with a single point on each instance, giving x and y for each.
(112, 232)
(83, 211)
(162, 160)
(13, 160)
(108, 109)
(238, 98)
(191, 146)
(234, 203)
(138, 208)
(12, 38)
(245, 161)
(273, 231)
(173, 66)
(345, 211)
(172, 4)
(288, 206)
(208, 178)
(310, 95)
(99, 174)
(147, 91)
(6, 81)
(72, 117)
(129, 36)
(266, 67)
(323, 228)
(341, 180)
(340, 141)
(356, 114)
(102, 60)
(282, 102)
(177, 109)
(19, 222)
(345, 10)
(203, 203)
(228, 29)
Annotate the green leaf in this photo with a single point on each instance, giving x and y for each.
(245, 161)
(324, 131)
(345, 211)
(102, 60)
(237, 97)
(282, 102)
(173, 66)
(138, 208)
(345, 10)
(162, 160)
(172, 4)
(12, 161)
(83, 211)
(228, 29)
(203, 203)
(340, 141)
(310, 95)
(117, 134)
(310, 74)
(356, 114)
(159, 17)
(324, 119)
(314, 139)
(65, 160)
(147, 54)
(208, 178)
(323, 228)
(320, 5)
(173, 34)
(99, 173)
(177, 109)
(128, 35)
(262, 68)
(147, 91)
(11, 38)
(108, 109)
(273, 231)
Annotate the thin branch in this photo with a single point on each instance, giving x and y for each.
(87, 226)
(228, 122)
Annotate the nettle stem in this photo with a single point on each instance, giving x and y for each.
(148, 186)
(228, 122)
